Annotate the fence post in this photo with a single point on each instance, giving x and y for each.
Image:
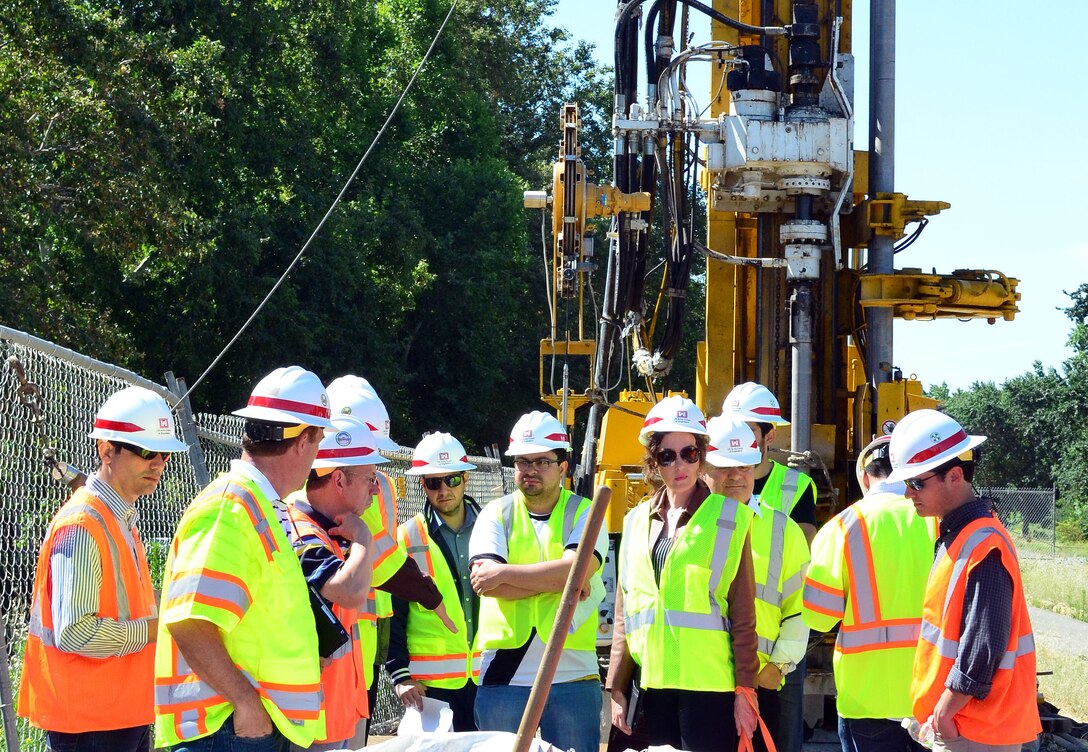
(7, 700)
(188, 430)
(1053, 524)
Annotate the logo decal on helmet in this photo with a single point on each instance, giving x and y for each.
(443, 455)
(734, 443)
(324, 400)
(346, 409)
(682, 414)
(343, 438)
(164, 423)
(527, 434)
(935, 437)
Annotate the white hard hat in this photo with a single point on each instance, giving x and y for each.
(439, 453)
(140, 417)
(353, 395)
(924, 440)
(289, 395)
(732, 443)
(755, 403)
(674, 413)
(348, 443)
(876, 448)
(537, 432)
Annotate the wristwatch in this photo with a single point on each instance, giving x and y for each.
(784, 668)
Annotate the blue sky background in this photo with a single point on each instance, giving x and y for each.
(990, 108)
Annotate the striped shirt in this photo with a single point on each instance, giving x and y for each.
(75, 569)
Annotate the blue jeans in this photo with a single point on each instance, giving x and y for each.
(875, 735)
(224, 740)
(136, 739)
(571, 719)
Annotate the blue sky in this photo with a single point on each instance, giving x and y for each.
(988, 118)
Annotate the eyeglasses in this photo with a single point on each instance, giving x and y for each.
(540, 464)
(144, 454)
(917, 484)
(371, 478)
(451, 481)
(689, 454)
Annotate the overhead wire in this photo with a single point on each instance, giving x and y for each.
(332, 208)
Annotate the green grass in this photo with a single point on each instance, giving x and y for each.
(1065, 688)
(1059, 585)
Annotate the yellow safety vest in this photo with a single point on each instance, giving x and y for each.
(436, 658)
(869, 568)
(506, 623)
(780, 557)
(381, 519)
(678, 630)
(231, 564)
(784, 487)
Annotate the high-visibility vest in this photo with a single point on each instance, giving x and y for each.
(436, 658)
(342, 681)
(508, 623)
(231, 564)
(381, 519)
(678, 631)
(779, 557)
(784, 487)
(868, 570)
(1009, 714)
(62, 691)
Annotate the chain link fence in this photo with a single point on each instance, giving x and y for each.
(48, 398)
(1029, 516)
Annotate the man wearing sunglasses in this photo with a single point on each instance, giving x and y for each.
(522, 549)
(868, 572)
(425, 658)
(94, 617)
(974, 672)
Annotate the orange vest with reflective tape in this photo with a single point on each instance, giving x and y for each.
(63, 691)
(342, 681)
(1009, 714)
(436, 657)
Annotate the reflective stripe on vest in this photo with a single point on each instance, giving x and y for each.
(784, 487)
(62, 691)
(676, 625)
(274, 599)
(1008, 714)
(768, 591)
(436, 657)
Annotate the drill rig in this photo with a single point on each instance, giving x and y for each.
(800, 235)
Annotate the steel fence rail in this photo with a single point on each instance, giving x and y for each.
(70, 387)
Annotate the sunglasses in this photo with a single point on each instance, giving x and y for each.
(917, 484)
(144, 454)
(689, 454)
(451, 481)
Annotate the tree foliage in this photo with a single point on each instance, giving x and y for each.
(161, 164)
(1037, 423)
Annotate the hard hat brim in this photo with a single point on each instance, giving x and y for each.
(519, 448)
(370, 459)
(750, 417)
(164, 444)
(718, 460)
(921, 468)
(450, 469)
(273, 415)
(386, 444)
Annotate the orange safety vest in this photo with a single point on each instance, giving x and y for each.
(62, 691)
(1009, 714)
(342, 681)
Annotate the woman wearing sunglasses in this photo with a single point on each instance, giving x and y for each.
(685, 608)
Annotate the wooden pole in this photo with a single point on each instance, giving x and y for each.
(530, 719)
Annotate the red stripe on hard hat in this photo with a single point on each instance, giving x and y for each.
(556, 437)
(937, 448)
(766, 411)
(711, 448)
(329, 454)
(419, 463)
(291, 406)
(651, 421)
(371, 428)
(116, 425)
